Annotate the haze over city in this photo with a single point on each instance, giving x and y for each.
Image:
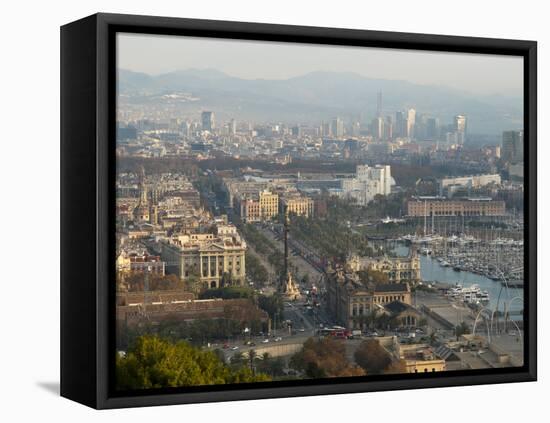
(473, 73)
(266, 81)
(291, 212)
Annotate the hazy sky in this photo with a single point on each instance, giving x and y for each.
(482, 74)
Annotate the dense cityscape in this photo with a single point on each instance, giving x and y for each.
(252, 250)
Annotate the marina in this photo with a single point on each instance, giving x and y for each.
(434, 270)
(498, 259)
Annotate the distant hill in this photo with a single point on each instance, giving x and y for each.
(321, 95)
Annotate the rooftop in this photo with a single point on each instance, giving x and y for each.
(397, 307)
(390, 287)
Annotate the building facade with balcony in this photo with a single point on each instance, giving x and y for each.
(208, 257)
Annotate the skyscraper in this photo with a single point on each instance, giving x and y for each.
(379, 104)
(207, 119)
(460, 128)
(388, 128)
(325, 129)
(355, 129)
(512, 146)
(186, 128)
(337, 127)
(411, 120)
(432, 129)
(377, 128)
(400, 124)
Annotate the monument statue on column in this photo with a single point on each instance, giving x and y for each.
(288, 287)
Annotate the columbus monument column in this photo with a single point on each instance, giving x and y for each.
(288, 287)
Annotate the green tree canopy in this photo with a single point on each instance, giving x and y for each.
(324, 358)
(136, 282)
(462, 329)
(372, 357)
(228, 292)
(156, 363)
(272, 305)
(255, 270)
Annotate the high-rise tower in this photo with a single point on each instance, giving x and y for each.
(460, 128)
(512, 146)
(207, 120)
(411, 121)
(379, 104)
(337, 127)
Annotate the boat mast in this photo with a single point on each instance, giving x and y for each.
(425, 216)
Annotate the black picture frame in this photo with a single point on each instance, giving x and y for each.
(87, 214)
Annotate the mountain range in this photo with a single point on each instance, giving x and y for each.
(320, 96)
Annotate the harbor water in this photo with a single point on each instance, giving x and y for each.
(432, 271)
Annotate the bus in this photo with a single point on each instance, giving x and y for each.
(337, 332)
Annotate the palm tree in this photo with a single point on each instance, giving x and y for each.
(372, 318)
(251, 356)
(433, 337)
(383, 321)
(393, 322)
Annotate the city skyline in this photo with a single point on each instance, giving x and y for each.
(326, 226)
(485, 75)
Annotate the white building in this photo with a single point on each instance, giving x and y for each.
(207, 256)
(473, 181)
(369, 182)
(460, 128)
(337, 127)
(411, 122)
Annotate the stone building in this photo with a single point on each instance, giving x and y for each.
(404, 315)
(207, 256)
(351, 302)
(298, 205)
(397, 269)
(269, 204)
(249, 210)
(237, 188)
(386, 293)
(419, 358)
(153, 308)
(147, 263)
(125, 298)
(258, 207)
(437, 206)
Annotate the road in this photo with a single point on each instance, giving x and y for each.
(303, 325)
(287, 343)
(315, 277)
(297, 312)
(270, 270)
